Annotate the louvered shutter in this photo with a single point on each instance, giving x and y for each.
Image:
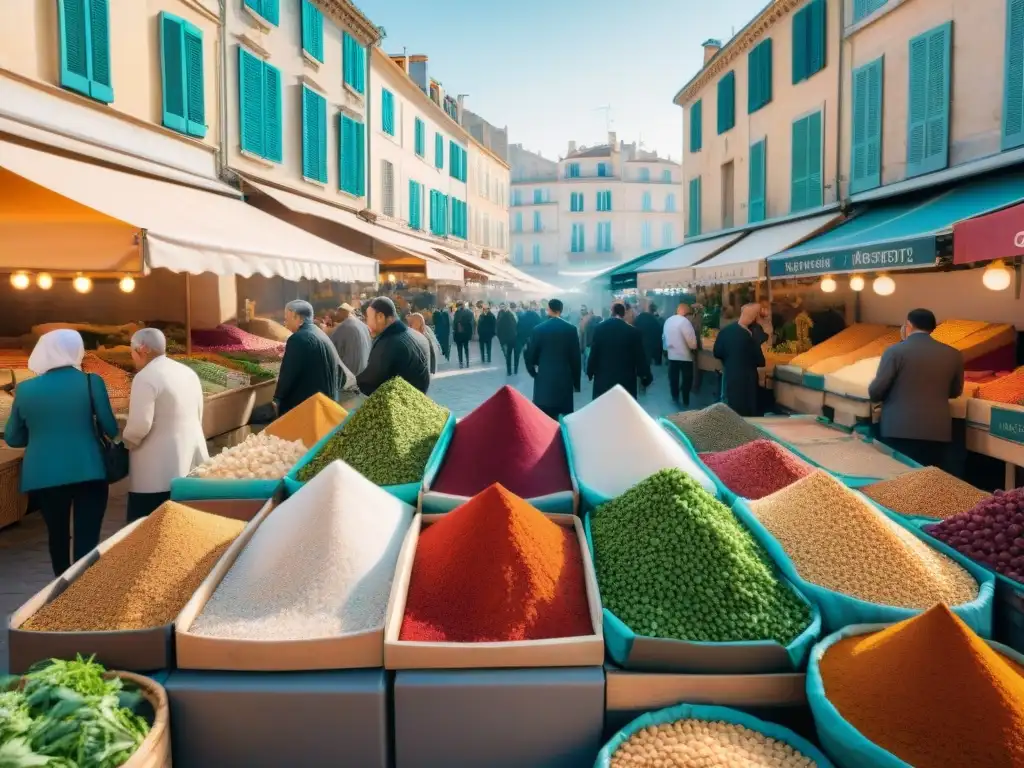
(866, 159)
(100, 77)
(271, 11)
(272, 122)
(251, 105)
(173, 75)
(757, 204)
(801, 28)
(928, 108)
(814, 161)
(309, 139)
(1013, 106)
(799, 170)
(195, 84)
(74, 45)
(312, 31)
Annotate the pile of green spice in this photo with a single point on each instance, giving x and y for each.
(673, 562)
(388, 439)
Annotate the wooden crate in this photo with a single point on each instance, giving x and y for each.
(13, 503)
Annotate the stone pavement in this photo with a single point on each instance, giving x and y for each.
(25, 562)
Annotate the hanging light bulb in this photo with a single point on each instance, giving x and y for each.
(44, 280)
(82, 284)
(20, 281)
(857, 283)
(391, 277)
(996, 276)
(884, 285)
(127, 284)
(828, 284)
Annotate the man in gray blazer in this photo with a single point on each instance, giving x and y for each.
(915, 381)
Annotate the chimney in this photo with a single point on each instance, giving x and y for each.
(461, 102)
(572, 147)
(612, 140)
(418, 72)
(711, 47)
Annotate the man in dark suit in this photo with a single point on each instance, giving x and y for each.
(617, 355)
(528, 320)
(650, 325)
(552, 358)
(915, 381)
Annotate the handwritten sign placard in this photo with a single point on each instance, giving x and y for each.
(1007, 424)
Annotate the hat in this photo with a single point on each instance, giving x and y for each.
(346, 307)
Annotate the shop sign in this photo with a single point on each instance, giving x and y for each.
(919, 252)
(1007, 424)
(998, 235)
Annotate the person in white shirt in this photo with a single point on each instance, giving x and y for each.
(680, 342)
(164, 433)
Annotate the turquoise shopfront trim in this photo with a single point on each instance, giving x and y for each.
(185, 489)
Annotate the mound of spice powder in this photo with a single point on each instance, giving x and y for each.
(715, 428)
(931, 692)
(757, 469)
(496, 569)
(506, 440)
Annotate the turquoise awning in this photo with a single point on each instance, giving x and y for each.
(624, 276)
(899, 235)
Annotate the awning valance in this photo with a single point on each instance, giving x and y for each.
(899, 235)
(181, 228)
(998, 235)
(675, 267)
(499, 272)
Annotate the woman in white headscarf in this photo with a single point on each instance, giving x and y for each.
(55, 418)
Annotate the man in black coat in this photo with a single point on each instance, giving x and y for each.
(528, 320)
(617, 355)
(741, 356)
(463, 324)
(443, 331)
(650, 325)
(396, 350)
(552, 359)
(486, 326)
(507, 329)
(311, 363)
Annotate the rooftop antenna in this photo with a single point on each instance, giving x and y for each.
(607, 109)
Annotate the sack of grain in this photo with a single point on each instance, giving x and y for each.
(266, 328)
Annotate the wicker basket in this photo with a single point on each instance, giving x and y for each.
(13, 503)
(155, 750)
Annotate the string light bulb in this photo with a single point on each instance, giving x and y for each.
(44, 280)
(127, 284)
(996, 276)
(857, 283)
(828, 284)
(20, 281)
(82, 284)
(884, 285)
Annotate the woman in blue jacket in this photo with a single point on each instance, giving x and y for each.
(52, 419)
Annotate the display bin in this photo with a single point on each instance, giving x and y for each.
(13, 503)
(838, 609)
(796, 397)
(134, 650)
(846, 745)
(726, 495)
(186, 489)
(228, 410)
(790, 374)
(815, 381)
(407, 492)
(563, 502)
(273, 720)
(498, 718)
(856, 481)
(583, 651)
(264, 392)
(632, 651)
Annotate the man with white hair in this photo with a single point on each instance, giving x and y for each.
(164, 433)
(311, 362)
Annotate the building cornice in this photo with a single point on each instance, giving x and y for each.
(749, 36)
(345, 14)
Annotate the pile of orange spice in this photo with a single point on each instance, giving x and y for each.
(931, 692)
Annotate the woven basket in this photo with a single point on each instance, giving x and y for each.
(13, 503)
(155, 750)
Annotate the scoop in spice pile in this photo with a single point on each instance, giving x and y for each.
(388, 439)
(496, 569)
(507, 440)
(756, 469)
(320, 565)
(925, 492)
(258, 457)
(674, 562)
(931, 692)
(145, 579)
(715, 428)
(309, 422)
(839, 541)
(990, 533)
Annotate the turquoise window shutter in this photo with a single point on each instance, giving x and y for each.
(195, 84)
(817, 46)
(866, 159)
(799, 170)
(438, 150)
(312, 30)
(801, 33)
(696, 118)
(814, 161)
(271, 11)
(645, 174)
(645, 235)
(352, 156)
(360, 73)
(670, 203)
(251, 102)
(353, 63)
(667, 235)
(864, 8)
(415, 205)
(453, 164)
(727, 102)
(1013, 100)
(421, 138)
(172, 72)
(645, 203)
(537, 224)
(928, 108)
(100, 78)
(360, 159)
(602, 169)
(74, 45)
(519, 221)
(272, 123)
(666, 176)
(756, 206)
(314, 135)
(254, 5)
(538, 196)
(387, 111)
(536, 253)
(694, 209)
(759, 69)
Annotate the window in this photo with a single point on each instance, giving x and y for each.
(578, 239)
(459, 218)
(604, 200)
(928, 107)
(645, 174)
(517, 254)
(864, 8)
(810, 35)
(666, 176)
(415, 205)
(314, 136)
(438, 150)
(728, 194)
(576, 202)
(536, 254)
(1013, 107)
(693, 222)
(670, 203)
(759, 74)
(181, 70)
(645, 235)
(259, 89)
(538, 225)
(420, 138)
(866, 160)
(727, 103)
(438, 213)
(645, 201)
(387, 111)
(457, 161)
(696, 131)
(572, 171)
(519, 221)
(353, 63)
(757, 205)
(268, 10)
(387, 187)
(604, 237)
(312, 31)
(85, 48)
(668, 235)
(352, 156)
(602, 169)
(517, 197)
(538, 196)
(805, 174)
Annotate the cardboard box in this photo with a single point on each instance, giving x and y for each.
(136, 650)
(584, 651)
(355, 651)
(507, 718)
(294, 719)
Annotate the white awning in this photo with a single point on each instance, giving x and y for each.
(745, 261)
(187, 229)
(676, 267)
(501, 272)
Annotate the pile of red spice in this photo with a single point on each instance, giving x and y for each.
(496, 569)
(757, 469)
(506, 440)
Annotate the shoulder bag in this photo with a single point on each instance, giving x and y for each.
(114, 452)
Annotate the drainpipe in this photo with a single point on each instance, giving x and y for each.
(839, 107)
(222, 95)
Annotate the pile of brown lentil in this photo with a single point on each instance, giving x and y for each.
(838, 541)
(926, 492)
(145, 579)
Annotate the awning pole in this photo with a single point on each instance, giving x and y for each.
(188, 314)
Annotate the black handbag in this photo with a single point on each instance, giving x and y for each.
(114, 452)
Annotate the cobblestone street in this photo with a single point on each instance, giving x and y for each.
(24, 561)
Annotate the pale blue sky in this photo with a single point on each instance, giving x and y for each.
(543, 67)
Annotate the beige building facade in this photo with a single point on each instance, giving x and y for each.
(489, 179)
